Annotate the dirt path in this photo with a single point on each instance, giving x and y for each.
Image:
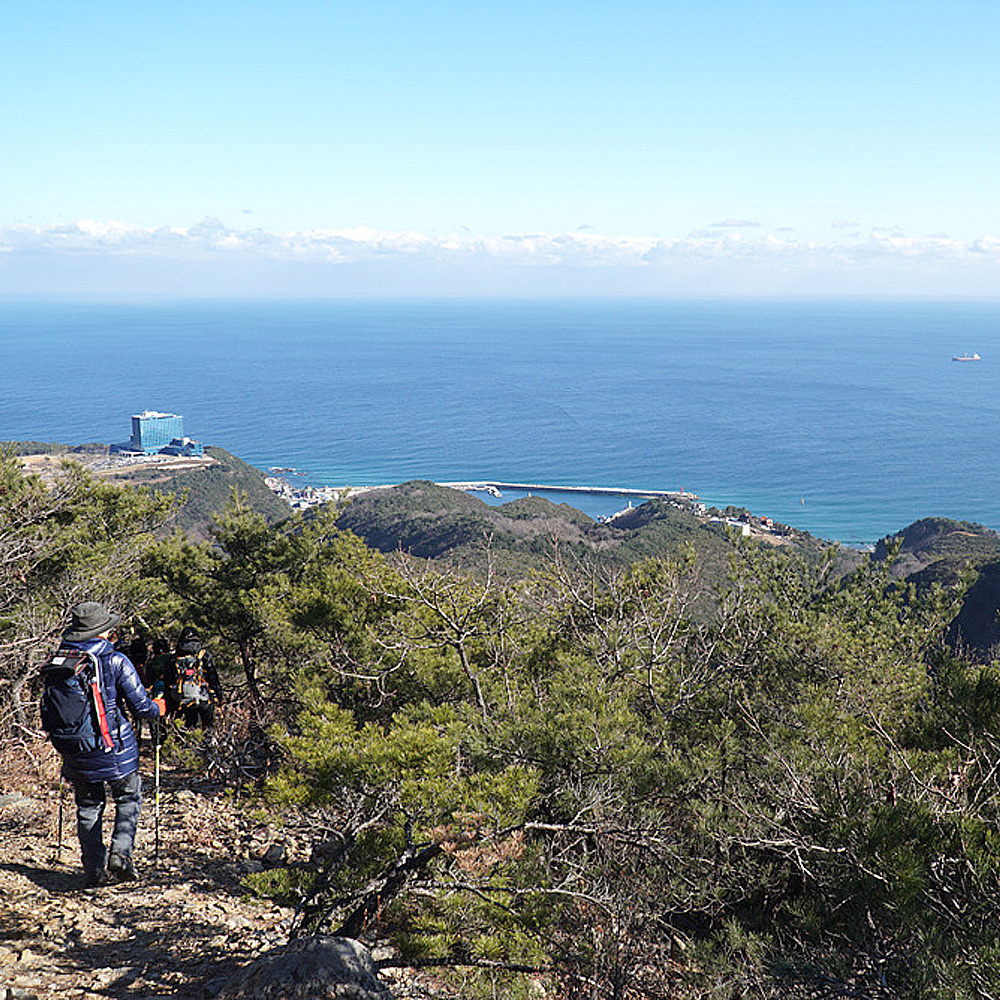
(179, 930)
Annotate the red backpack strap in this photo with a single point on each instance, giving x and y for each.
(100, 710)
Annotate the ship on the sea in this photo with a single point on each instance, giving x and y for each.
(965, 357)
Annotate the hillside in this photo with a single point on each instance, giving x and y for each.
(208, 483)
(58, 939)
(941, 543)
(936, 550)
(209, 489)
(435, 522)
(456, 751)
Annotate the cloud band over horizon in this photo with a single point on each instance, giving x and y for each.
(110, 258)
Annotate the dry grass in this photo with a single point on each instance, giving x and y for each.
(26, 764)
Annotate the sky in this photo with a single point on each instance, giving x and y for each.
(697, 148)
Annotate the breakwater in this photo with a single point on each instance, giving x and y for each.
(615, 491)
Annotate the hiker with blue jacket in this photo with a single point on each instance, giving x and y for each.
(98, 745)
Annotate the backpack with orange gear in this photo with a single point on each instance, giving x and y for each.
(192, 687)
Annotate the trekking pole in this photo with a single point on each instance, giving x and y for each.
(156, 771)
(59, 845)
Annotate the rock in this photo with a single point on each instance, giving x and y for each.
(276, 854)
(16, 993)
(104, 977)
(315, 968)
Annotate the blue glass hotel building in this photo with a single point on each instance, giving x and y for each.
(156, 433)
(152, 431)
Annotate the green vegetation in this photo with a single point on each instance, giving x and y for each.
(942, 544)
(205, 492)
(610, 777)
(201, 493)
(50, 448)
(78, 539)
(427, 521)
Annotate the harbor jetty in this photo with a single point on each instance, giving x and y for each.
(310, 496)
(745, 523)
(495, 487)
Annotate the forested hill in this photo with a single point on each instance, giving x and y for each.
(940, 543)
(938, 550)
(207, 485)
(434, 522)
(532, 784)
(429, 521)
(208, 491)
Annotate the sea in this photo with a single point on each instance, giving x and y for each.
(848, 419)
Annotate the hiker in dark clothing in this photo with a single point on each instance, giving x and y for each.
(138, 653)
(197, 680)
(112, 758)
(161, 674)
(160, 678)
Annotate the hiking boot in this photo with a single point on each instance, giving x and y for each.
(94, 879)
(121, 868)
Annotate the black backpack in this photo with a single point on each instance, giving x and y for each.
(73, 709)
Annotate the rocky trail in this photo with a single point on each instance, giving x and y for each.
(182, 929)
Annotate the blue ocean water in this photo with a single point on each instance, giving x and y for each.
(847, 419)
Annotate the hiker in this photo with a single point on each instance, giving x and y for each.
(161, 682)
(88, 684)
(138, 653)
(161, 674)
(197, 685)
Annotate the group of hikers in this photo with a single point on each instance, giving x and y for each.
(93, 692)
(186, 677)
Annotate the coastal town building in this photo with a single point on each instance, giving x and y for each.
(155, 433)
(152, 431)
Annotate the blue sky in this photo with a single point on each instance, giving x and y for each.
(702, 148)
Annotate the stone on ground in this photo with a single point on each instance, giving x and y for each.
(314, 968)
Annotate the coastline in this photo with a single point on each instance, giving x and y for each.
(306, 496)
(749, 525)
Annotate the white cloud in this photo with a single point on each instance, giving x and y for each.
(210, 257)
(736, 224)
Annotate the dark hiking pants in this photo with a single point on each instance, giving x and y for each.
(90, 801)
(198, 715)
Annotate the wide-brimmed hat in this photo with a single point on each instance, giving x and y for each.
(89, 619)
